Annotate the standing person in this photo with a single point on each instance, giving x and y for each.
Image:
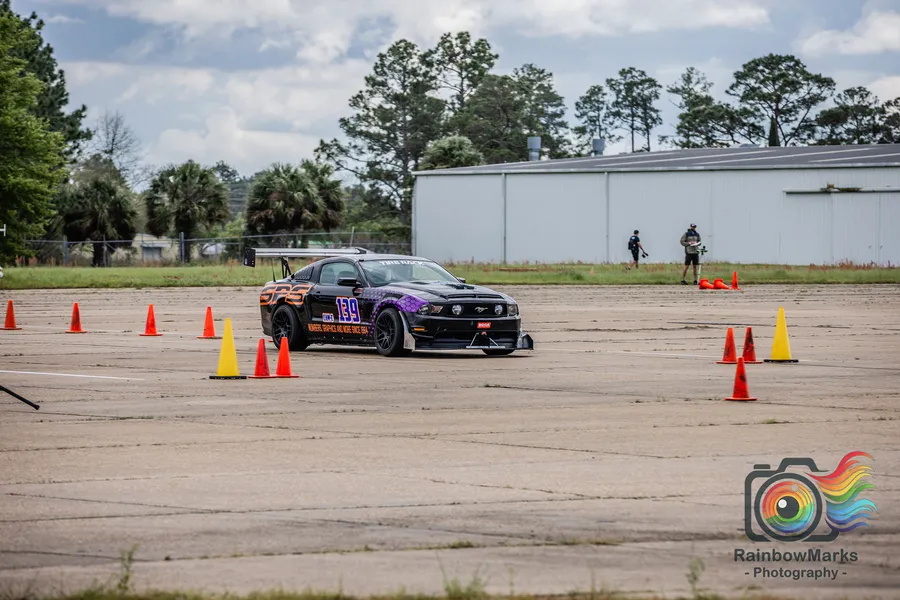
(634, 244)
(691, 242)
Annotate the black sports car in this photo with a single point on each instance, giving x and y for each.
(393, 303)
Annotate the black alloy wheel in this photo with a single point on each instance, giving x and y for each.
(285, 324)
(389, 334)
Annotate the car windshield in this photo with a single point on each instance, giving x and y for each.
(384, 272)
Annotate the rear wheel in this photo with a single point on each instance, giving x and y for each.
(285, 324)
(498, 351)
(389, 334)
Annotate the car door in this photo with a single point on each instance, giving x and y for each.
(336, 314)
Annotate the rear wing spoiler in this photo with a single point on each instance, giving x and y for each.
(251, 254)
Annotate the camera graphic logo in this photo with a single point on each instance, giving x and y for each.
(790, 506)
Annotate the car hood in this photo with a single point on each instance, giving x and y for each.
(445, 291)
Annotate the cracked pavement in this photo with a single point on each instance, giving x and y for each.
(606, 457)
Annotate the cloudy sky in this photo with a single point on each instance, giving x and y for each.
(257, 81)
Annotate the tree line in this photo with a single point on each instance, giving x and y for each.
(445, 106)
(419, 109)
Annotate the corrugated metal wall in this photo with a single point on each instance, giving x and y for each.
(774, 216)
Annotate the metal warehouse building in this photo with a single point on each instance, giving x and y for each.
(796, 206)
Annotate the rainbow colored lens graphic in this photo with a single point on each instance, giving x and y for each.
(788, 508)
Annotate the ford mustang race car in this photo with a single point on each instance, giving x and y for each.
(393, 303)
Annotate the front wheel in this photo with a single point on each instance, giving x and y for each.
(285, 324)
(389, 334)
(498, 351)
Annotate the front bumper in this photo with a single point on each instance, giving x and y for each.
(445, 333)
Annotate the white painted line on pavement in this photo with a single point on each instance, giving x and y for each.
(73, 375)
(663, 354)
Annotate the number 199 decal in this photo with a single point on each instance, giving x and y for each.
(348, 310)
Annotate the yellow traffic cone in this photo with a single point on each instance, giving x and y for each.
(228, 363)
(781, 346)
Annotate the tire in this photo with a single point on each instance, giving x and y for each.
(389, 334)
(286, 324)
(498, 351)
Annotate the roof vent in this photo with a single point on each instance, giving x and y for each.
(598, 145)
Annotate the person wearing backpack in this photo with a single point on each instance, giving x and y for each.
(634, 244)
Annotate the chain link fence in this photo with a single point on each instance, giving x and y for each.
(147, 250)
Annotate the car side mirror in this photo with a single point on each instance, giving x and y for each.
(461, 280)
(348, 282)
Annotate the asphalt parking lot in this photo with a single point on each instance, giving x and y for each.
(607, 456)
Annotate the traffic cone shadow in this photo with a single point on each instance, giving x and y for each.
(262, 362)
(150, 329)
(781, 345)
(228, 363)
(10, 324)
(749, 353)
(741, 390)
(209, 329)
(75, 327)
(730, 355)
(283, 368)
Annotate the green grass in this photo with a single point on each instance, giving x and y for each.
(528, 274)
(121, 587)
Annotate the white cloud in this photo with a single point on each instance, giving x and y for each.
(324, 30)
(155, 85)
(63, 20)
(223, 137)
(886, 88)
(247, 117)
(876, 32)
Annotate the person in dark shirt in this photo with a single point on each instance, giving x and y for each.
(634, 244)
(691, 242)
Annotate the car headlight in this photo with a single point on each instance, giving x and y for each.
(513, 309)
(457, 309)
(424, 309)
(498, 310)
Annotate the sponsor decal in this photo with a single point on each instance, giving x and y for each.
(328, 317)
(484, 325)
(403, 262)
(293, 293)
(342, 329)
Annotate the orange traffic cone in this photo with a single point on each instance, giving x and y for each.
(741, 391)
(706, 285)
(283, 368)
(75, 327)
(749, 354)
(730, 356)
(209, 330)
(150, 329)
(720, 285)
(10, 316)
(734, 281)
(262, 362)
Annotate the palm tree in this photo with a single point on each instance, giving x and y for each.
(288, 199)
(186, 199)
(330, 192)
(99, 210)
